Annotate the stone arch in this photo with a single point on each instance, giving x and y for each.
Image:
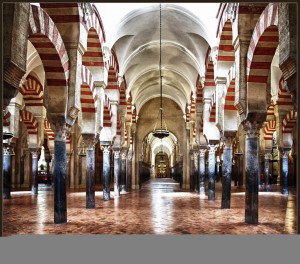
(32, 91)
(261, 51)
(113, 72)
(45, 37)
(107, 113)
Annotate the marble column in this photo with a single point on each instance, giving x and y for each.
(90, 142)
(239, 169)
(226, 172)
(261, 161)
(196, 171)
(285, 171)
(6, 173)
(267, 168)
(106, 172)
(68, 156)
(211, 172)
(123, 172)
(129, 171)
(116, 172)
(192, 175)
(202, 171)
(252, 170)
(34, 171)
(59, 172)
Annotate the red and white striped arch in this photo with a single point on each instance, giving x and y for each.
(263, 45)
(226, 50)
(113, 72)
(187, 114)
(45, 37)
(199, 91)
(209, 73)
(48, 130)
(88, 96)
(134, 115)
(270, 124)
(32, 92)
(289, 122)
(212, 108)
(193, 104)
(128, 105)
(230, 91)
(107, 113)
(6, 116)
(201, 126)
(118, 125)
(284, 97)
(93, 57)
(30, 122)
(125, 134)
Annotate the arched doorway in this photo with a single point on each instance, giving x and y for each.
(162, 165)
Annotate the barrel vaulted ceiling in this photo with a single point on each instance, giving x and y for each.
(185, 41)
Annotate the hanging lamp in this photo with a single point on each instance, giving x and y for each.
(161, 132)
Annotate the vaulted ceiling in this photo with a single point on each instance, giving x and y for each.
(185, 41)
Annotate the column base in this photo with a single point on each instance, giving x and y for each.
(135, 187)
(268, 188)
(106, 196)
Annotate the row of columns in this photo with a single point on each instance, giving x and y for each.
(251, 171)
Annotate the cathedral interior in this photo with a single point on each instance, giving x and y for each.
(180, 119)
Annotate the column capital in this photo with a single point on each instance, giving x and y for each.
(251, 128)
(212, 148)
(202, 152)
(267, 155)
(106, 149)
(89, 141)
(34, 153)
(227, 142)
(130, 155)
(196, 154)
(61, 128)
(6, 151)
(116, 153)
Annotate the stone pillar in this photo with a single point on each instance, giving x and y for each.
(34, 171)
(116, 172)
(192, 180)
(123, 172)
(239, 169)
(196, 171)
(226, 172)
(261, 161)
(106, 172)
(6, 173)
(90, 142)
(267, 166)
(129, 170)
(252, 170)
(285, 171)
(202, 171)
(211, 172)
(60, 165)
(69, 155)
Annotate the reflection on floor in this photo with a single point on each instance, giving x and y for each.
(160, 207)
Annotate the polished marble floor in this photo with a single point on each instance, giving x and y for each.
(159, 207)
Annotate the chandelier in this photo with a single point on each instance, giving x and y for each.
(161, 132)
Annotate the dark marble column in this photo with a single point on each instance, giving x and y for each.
(211, 172)
(34, 171)
(123, 172)
(285, 171)
(192, 174)
(252, 170)
(261, 161)
(202, 171)
(239, 169)
(69, 155)
(116, 172)
(196, 171)
(60, 169)
(226, 172)
(129, 171)
(267, 166)
(6, 173)
(106, 172)
(90, 141)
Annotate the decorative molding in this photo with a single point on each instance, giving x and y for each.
(116, 154)
(106, 150)
(227, 142)
(202, 153)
